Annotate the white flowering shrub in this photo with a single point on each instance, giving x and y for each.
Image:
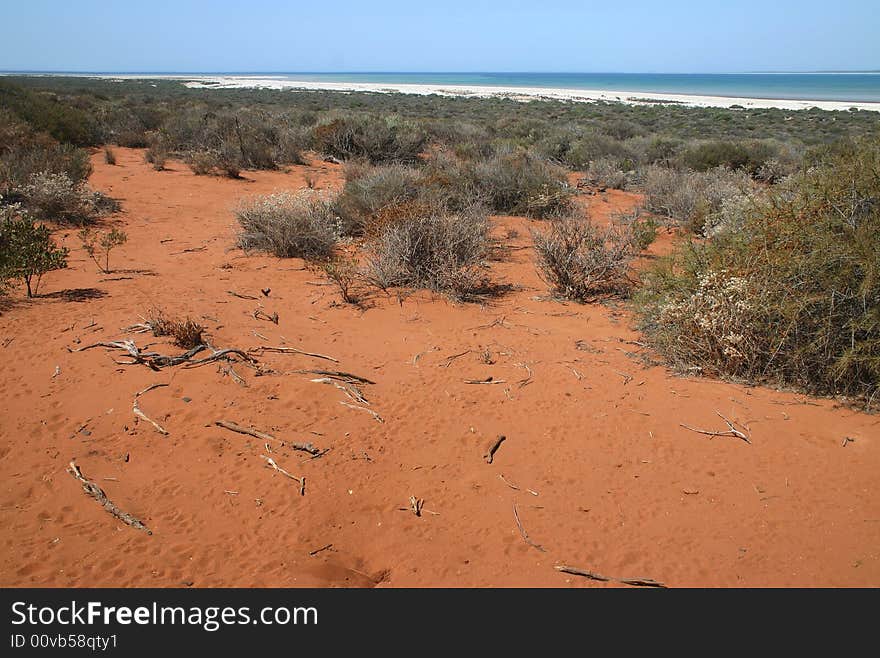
(289, 225)
(714, 322)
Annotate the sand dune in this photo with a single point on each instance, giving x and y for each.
(596, 463)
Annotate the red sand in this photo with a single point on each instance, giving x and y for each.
(623, 489)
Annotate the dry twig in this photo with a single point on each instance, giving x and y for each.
(98, 494)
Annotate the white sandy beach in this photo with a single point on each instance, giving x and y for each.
(517, 93)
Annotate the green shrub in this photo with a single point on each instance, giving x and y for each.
(287, 225)
(99, 245)
(791, 298)
(27, 251)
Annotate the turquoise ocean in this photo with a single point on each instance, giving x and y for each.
(854, 87)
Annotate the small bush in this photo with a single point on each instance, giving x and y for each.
(582, 262)
(289, 225)
(521, 183)
(109, 156)
(369, 190)
(344, 273)
(27, 251)
(99, 245)
(438, 250)
(58, 198)
(156, 156)
(377, 139)
(186, 333)
(606, 172)
(202, 163)
(691, 197)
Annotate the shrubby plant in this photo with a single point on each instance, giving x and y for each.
(301, 225)
(27, 251)
(791, 297)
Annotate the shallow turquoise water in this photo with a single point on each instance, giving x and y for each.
(805, 86)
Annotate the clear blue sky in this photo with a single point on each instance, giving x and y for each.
(440, 35)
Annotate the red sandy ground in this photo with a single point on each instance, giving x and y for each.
(623, 489)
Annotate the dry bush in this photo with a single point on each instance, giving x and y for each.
(156, 156)
(109, 156)
(302, 225)
(583, 262)
(689, 197)
(438, 250)
(343, 271)
(187, 333)
(202, 163)
(606, 172)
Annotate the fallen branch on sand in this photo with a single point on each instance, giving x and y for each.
(240, 296)
(135, 408)
(490, 453)
(369, 411)
(346, 377)
(635, 582)
(302, 480)
(259, 314)
(488, 380)
(156, 361)
(351, 391)
(525, 536)
(732, 431)
(416, 505)
(257, 434)
(98, 494)
(264, 436)
(290, 350)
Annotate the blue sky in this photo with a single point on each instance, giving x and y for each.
(443, 35)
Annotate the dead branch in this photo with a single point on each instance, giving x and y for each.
(490, 453)
(525, 535)
(488, 380)
(291, 350)
(148, 389)
(238, 379)
(259, 314)
(319, 550)
(257, 434)
(346, 377)
(351, 391)
(416, 504)
(302, 480)
(240, 296)
(635, 582)
(98, 494)
(450, 359)
(731, 431)
(155, 361)
(369, 411)
(136, 410)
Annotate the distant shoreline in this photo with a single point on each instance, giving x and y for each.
(517, 93)
(281, 81)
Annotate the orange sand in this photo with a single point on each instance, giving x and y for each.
(623, 490)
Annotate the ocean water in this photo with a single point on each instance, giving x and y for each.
(864, 87)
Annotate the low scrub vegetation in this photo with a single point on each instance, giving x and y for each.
(186, 333)
(301, 225)
(792, 297)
